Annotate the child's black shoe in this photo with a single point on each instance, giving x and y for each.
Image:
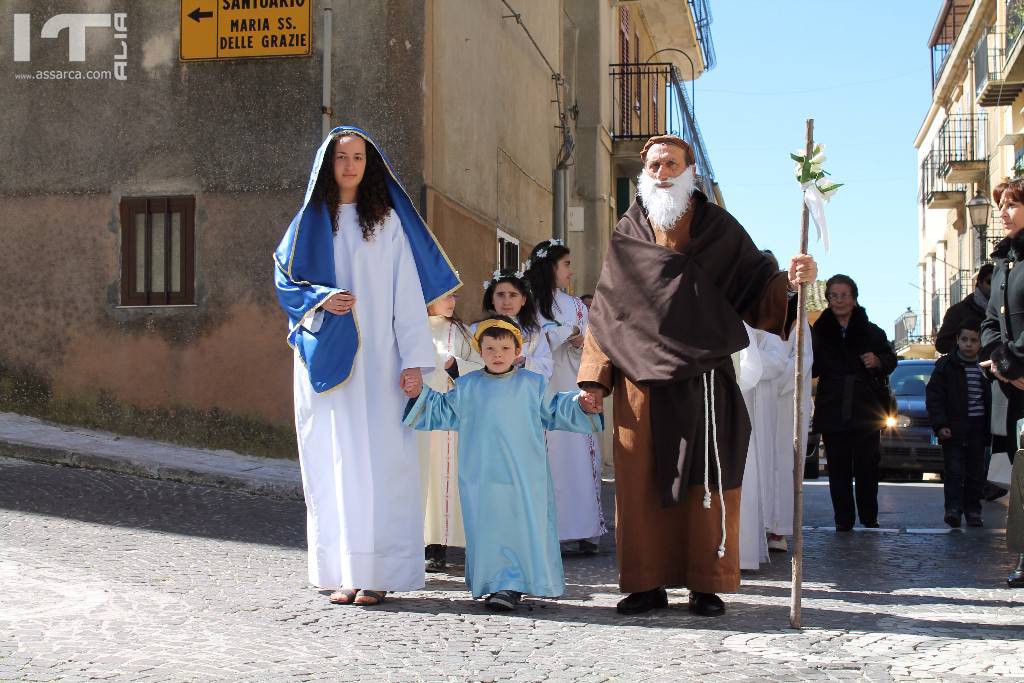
(503, 601)
(952, 518)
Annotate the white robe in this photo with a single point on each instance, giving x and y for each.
(753, 544)
(779, 515)
(765, 417)
(360, 467)
(575, 459)
(442, 513)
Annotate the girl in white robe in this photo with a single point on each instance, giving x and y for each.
(575, 459)
(455, 357)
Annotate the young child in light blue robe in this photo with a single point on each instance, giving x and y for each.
(508, 505)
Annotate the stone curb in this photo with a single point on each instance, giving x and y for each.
(73, 447)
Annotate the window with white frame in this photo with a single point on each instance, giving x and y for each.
(508, 251)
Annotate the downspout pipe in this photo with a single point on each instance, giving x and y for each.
(327, 46)
(561, 201)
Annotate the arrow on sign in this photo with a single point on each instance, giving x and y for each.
(196, 15)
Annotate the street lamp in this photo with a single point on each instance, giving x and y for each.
(909, 319)
(978, 209)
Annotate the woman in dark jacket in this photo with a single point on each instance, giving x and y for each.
(1002, 342)
(852, 361)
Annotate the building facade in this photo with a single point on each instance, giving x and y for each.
(142, 211)
(971, 139)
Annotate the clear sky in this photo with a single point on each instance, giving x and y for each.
(861, 71)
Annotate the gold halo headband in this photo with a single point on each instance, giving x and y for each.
(488, 324)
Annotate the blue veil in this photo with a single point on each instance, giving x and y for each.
(304, 274)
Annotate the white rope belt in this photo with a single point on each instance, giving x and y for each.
(711, 435)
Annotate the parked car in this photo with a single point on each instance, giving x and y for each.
(908, 442)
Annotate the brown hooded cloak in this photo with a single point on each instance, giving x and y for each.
(668, 313)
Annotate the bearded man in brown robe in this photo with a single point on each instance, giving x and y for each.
(680, 279)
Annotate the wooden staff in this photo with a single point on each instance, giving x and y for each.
(799, 434)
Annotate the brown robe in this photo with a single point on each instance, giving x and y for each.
(675, 544)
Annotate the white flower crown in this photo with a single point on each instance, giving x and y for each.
(542, 253)
(497, 275)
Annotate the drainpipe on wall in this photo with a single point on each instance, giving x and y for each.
(327, 45)
(561, 201)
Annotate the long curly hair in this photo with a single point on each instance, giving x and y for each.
(541, 275)
(372, 200)
(528, 314)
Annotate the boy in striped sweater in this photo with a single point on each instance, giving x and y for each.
(960, 407)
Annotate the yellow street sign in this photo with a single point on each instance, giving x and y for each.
(242, 29)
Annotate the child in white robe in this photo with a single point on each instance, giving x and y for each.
(575, 458)
(442, 513)
(505, 484)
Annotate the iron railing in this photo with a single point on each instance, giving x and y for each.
(702, 20)
(989, 58)
(962, 137)
(649, 100)
(960, 285)
(932, 177)
(940, 302)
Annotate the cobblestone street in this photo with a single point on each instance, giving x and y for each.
(120, 578)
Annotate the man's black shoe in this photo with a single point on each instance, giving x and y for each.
(975, 520)
(1016, 577)
(644, 601)
(706, 604)
(952, 518)
(844, 527)
(871, 525)
(991, 492)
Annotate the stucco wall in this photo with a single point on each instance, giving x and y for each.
(239, 135)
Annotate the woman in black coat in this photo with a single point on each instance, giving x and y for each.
(852, 359)
(1002, 343)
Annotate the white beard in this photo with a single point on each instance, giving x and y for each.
(666, 204)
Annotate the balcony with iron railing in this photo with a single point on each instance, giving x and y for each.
(992, 87)
(951, 20)
(702, 20)
(959, 156)
(650, 100)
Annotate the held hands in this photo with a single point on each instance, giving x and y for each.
(988, 365)
(802, 270)
(411, 382)
(340, 303)
(592, 400)
(870, 361)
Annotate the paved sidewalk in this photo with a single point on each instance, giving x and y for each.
(28, 438)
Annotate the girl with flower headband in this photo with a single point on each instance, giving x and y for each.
(508, 293)
(442, 513)
(575, 458)
(508, 505)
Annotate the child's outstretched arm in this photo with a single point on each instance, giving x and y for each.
(571, 411)
(432, 411)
